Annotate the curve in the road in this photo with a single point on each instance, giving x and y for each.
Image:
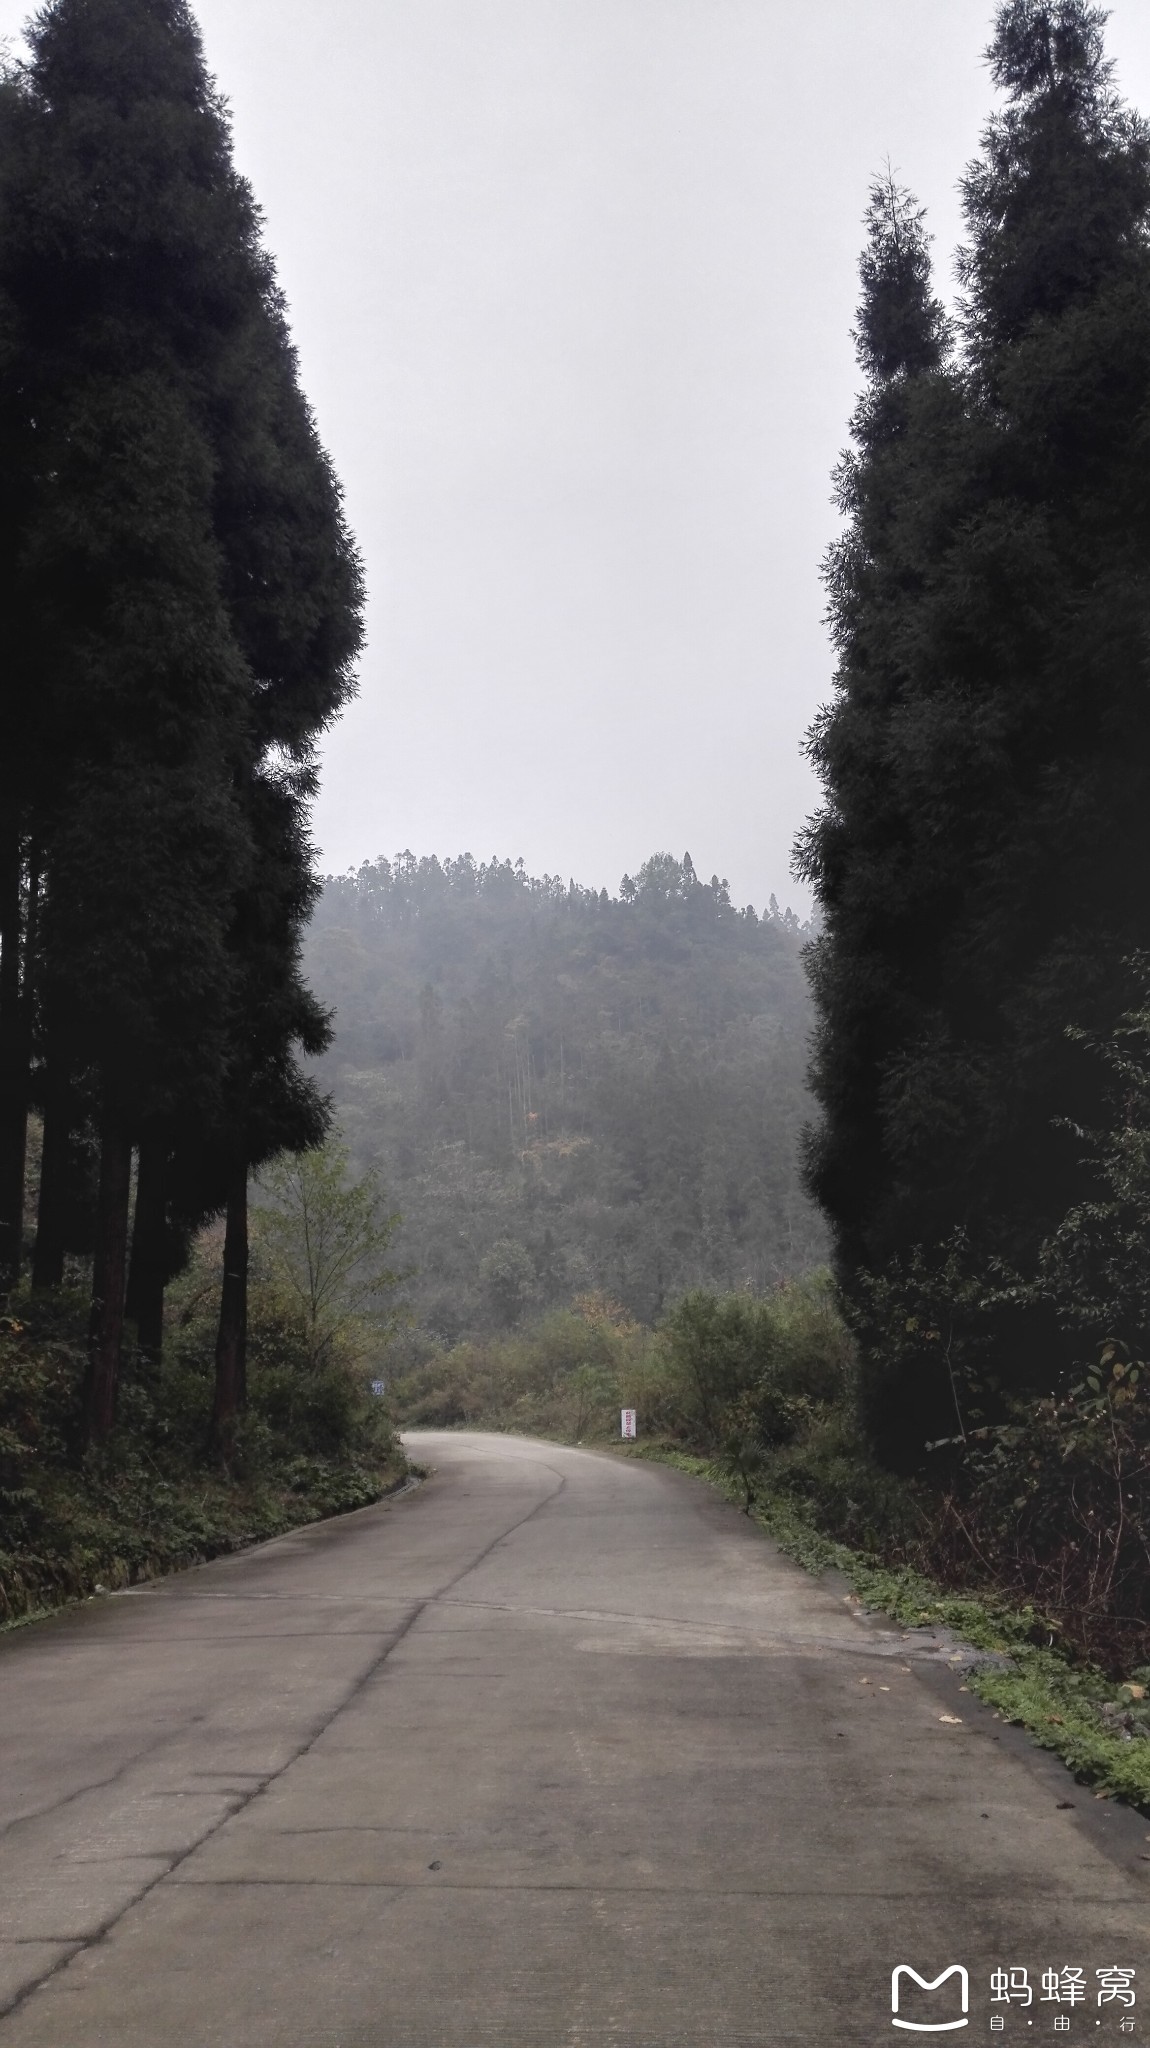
(554, 1750)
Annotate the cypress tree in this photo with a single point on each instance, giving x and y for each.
(896, 488)
(19, 890)
(899, 487)
(127, 264)
(65, 1218)
(271, 1105)
(18, 857)
(185, 544)
(1047, 603)
(159, 1245)
(983, 890)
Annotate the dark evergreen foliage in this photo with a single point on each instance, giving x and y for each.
(983, 858)
(185, 609)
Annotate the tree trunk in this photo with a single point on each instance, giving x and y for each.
(15, 1055)
(48, 1256)
(106, 1325)
(148, 1271)
(232, 1335)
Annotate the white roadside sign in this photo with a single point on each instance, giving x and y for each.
(627, 1417)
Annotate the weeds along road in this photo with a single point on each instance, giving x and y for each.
(553, 1750)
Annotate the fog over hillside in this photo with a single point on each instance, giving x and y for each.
(566, 1091)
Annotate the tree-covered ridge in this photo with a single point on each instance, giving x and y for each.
(567, 1091)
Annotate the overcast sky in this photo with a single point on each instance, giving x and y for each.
(572, 283)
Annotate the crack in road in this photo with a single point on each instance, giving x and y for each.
(244, 1800)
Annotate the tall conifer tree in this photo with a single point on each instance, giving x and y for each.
(1016, 749)
(22, 757)
(186, 547)
(861, 850)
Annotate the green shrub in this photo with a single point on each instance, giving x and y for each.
(314, 1441)
(1054, 1506)
(564, 1375)
(39, 1411)
(754, 1372)
(830, 1471)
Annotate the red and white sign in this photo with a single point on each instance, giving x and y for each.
(627, 1417)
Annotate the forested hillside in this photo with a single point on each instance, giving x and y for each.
(567, 1092)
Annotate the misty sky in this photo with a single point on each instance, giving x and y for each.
(572, 283)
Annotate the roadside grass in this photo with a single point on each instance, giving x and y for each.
(1100, 1730)
(119, 1525)
(313, 1442)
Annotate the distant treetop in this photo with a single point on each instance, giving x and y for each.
(406, 885)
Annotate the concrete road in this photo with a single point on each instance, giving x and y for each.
(553, 1750)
